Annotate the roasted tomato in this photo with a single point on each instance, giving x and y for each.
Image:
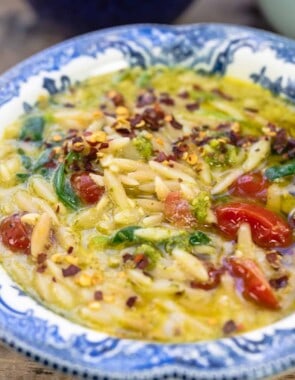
(177, 210)
(252, 185)
(268, 229)
(15, 234)
(86, 189)
(255, 285)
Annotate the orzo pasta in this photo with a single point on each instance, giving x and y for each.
(155, 204)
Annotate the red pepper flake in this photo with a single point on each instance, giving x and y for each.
(251, 109)
(69, 105)
(183, 95)
(50, 165)
(192, 106)
(175, 124)
(131, 301)
(117, 99)
(71, 133)
(197, 87)
(70, 270)
(110, 114)
(104, 145)
(53, 279)
(161, 157)
(274, 259)
(166, 99)
(214, 279)
(220, 93)
(164, 157)
(57, 209)
(153, 117)
(280, 142)
(41, 258)
(229, 327)
(135, 120)
(98, 295)
(127, 257)
(70, 250)
(179, 149)
(239, 140)
(279, 283)
(41, 268)
(141, 261)
(145, 99)
(125, 132)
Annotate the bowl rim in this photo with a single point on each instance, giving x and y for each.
(13, 341)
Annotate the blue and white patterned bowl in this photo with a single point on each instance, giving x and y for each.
(26, 325)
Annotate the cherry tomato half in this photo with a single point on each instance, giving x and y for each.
(15, 234)
(268, 229)
(252, 185)
(256, 287)
(177, 210)
(86, 189)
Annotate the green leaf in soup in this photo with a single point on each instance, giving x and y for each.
(22, 177)
(43, 159)
(63, 189)
(186, 241)
(124, 235)
(26, 161)
(45, 172)
(280, 171)
(71, 157)
(199, 238)
(32, 128)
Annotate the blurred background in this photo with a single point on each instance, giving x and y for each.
(28, 26)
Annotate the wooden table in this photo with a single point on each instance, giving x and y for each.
(21, 35)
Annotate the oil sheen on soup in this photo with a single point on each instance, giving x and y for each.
(153, 204)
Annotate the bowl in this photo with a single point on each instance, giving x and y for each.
(280, 15)
(94, 14)
(29, 327)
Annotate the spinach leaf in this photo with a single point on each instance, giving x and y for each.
(71, 157)
(280, 171)
(32, 128)
(43, 159)
(26, 161)
(199, 238)
(186, 241)
(63, 189)
(22, 176)
(125, 234)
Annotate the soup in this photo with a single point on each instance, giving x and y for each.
(153, 204)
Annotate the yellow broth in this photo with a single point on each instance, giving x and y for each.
(109, 194)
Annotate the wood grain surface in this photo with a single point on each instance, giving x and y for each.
(21, 35)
